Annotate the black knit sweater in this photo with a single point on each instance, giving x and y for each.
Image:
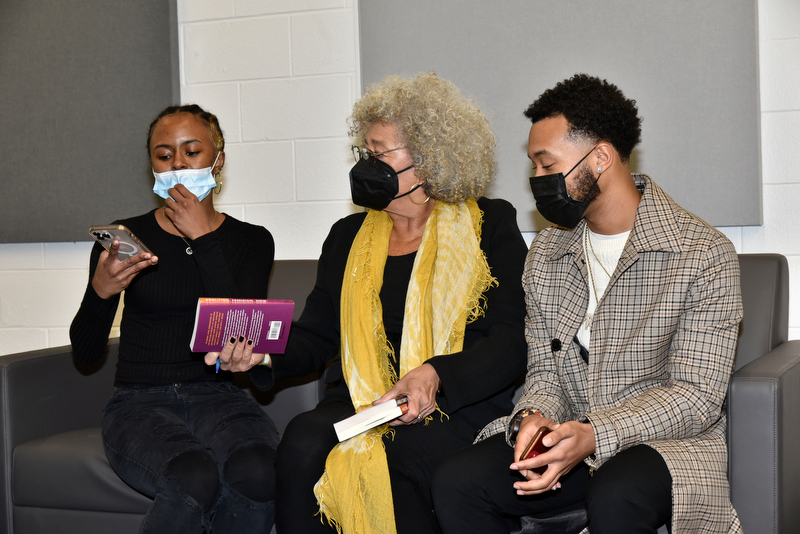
(233, 261)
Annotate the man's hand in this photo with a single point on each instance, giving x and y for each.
(237, 355)
(569, 444)
(112, 276)
(420, 386)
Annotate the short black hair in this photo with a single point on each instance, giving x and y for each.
(595, 110)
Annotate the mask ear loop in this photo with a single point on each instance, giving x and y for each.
(599, 169)
(414, 188)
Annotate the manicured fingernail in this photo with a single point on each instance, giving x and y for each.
(232, 340)
(241, 338)
(249, 341)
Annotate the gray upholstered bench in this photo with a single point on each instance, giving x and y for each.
(55, 477)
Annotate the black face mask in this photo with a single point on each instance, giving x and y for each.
(374, 183)
(553, 200)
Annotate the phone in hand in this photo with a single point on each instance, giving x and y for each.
(536, 447)
(129, 244)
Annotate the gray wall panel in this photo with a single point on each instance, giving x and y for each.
(692, 67)
(79, 84)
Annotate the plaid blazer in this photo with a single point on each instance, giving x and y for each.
(661, 351)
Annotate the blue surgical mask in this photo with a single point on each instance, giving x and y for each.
(199, 182)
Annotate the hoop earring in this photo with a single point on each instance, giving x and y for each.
(412, 200)
(218, 179)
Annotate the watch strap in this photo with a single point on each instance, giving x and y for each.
(516, 422)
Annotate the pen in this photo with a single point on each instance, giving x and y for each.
(217, 371)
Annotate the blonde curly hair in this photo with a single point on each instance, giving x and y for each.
(450, 140)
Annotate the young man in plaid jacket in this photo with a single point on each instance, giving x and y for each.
(633, 312)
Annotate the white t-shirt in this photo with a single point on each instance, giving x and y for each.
(602, 254)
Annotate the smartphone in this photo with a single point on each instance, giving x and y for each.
(129, 244)
(536, 447)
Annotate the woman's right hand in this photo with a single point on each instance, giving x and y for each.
(237, 356)
(419, 385)
(112, 276)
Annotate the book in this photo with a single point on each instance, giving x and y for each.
(370, 418)
(265, 321)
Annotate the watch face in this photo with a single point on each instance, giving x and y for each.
(515, 422)
(513, 426)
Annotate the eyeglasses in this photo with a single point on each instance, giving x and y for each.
(362, 152)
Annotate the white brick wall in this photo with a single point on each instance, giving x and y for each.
(779, 58)
(282, 76)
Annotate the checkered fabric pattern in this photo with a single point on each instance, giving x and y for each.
(661, 352)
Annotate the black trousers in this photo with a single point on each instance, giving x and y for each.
(204, 451)
(412, 454)
(473, 491)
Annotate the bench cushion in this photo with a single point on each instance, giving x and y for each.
(70, 471)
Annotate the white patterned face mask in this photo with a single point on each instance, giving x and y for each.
(199, 181)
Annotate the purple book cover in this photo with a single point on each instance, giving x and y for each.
(264, 321)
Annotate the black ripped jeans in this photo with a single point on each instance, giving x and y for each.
(205, 452)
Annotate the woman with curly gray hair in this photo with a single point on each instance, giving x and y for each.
(447, 137)
(421, 297)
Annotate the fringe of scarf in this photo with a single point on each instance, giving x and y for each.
(446, 291)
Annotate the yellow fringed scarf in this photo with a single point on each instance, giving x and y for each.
(448, 280)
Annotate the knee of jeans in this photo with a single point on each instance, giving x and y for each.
(251, 472)
(441, 482)
(196, 474)
(600, 491)
(606, 493)
(300, 445)
(452, 477)
(401, 466)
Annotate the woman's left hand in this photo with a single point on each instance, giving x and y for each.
(237, 355)
(420, 386)
(186, 213)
